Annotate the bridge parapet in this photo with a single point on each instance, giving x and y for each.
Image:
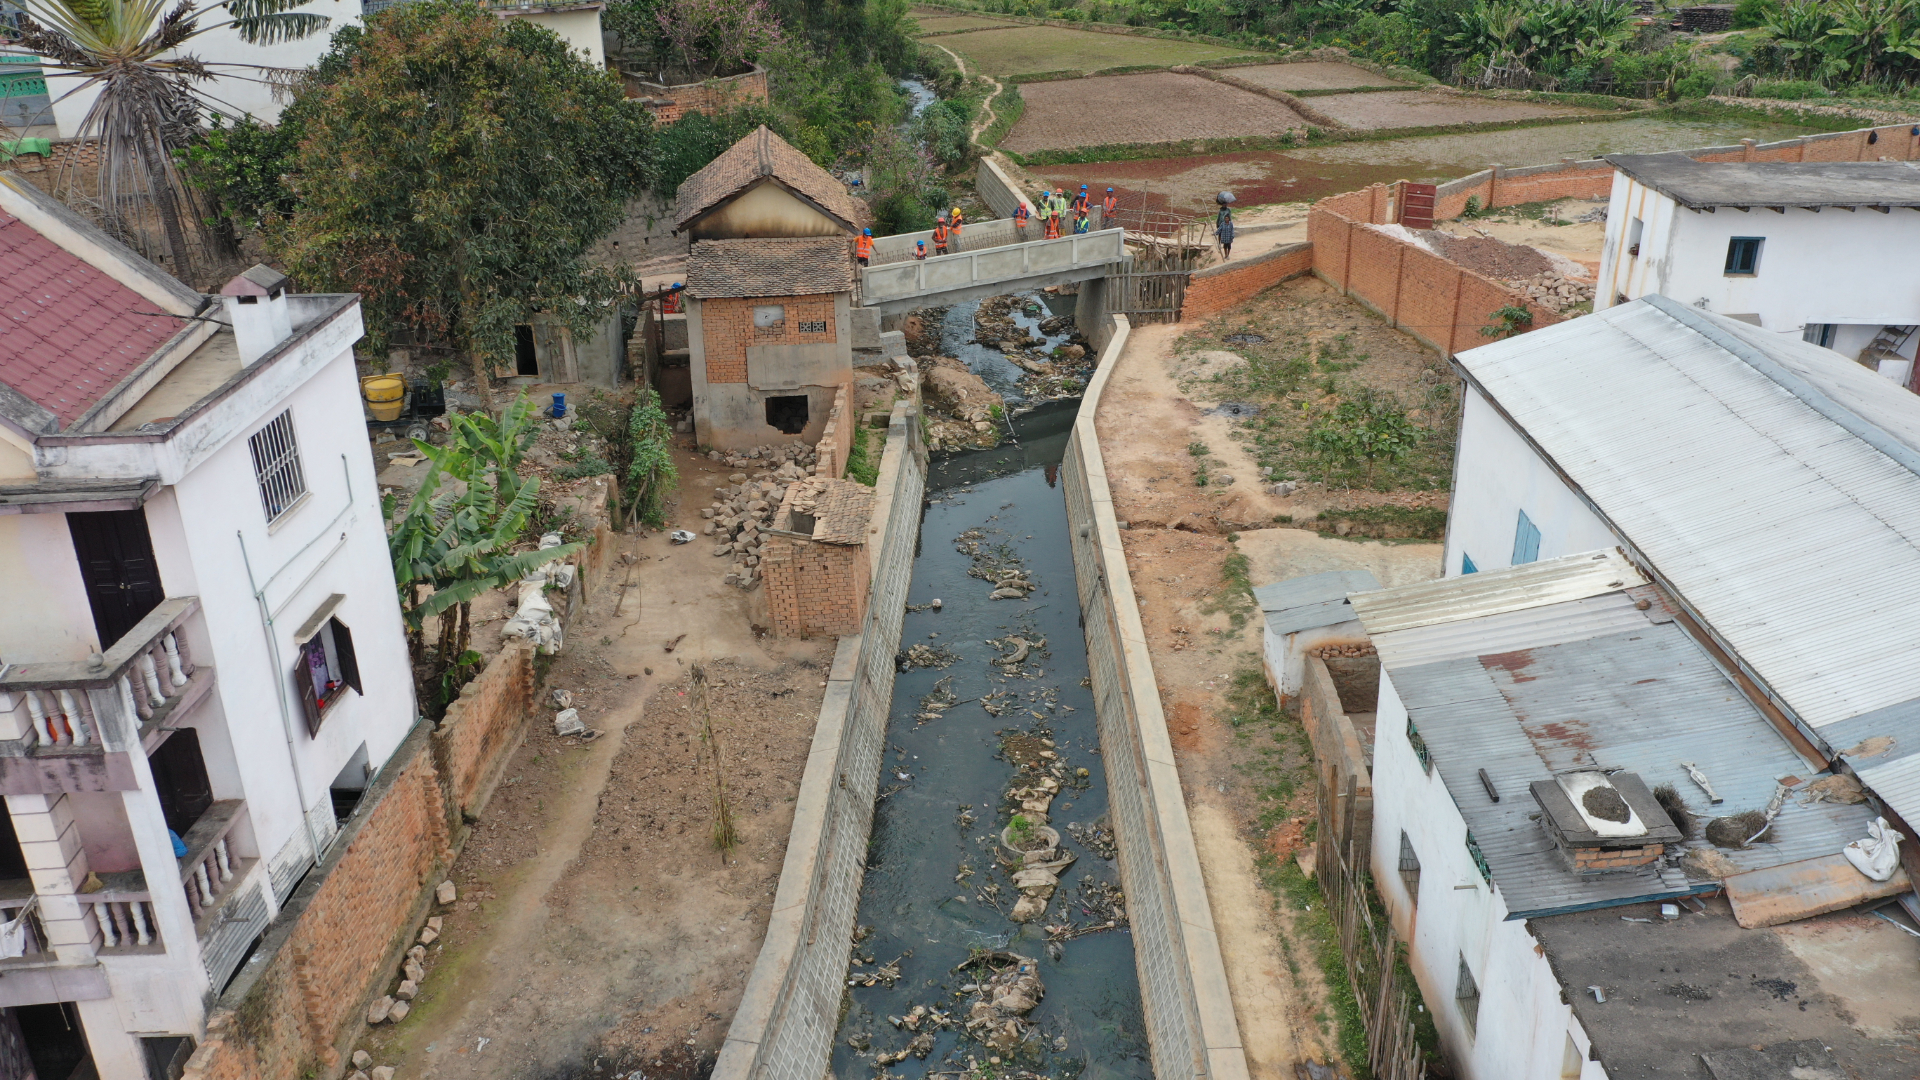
(898, 287)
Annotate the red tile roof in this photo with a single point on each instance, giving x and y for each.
(68, 333)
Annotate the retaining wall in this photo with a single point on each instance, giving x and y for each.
(1217, 288)
(998, 190)
(785, 1025)
(297, 1005)
(1183, 982)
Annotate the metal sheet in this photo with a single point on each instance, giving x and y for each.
(1551, 625)
(1762, 498)
(1303, 603)
(1801, 890)
(1898, 785)
(1516, 588)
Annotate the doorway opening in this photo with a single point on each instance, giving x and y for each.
(787, 414)
(54, 1040)
(526, 361)
(347, 788)
(180, 777)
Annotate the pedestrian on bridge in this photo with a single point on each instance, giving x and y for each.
(940, 233)
(1043, 209)
(1080, 202)
(920, 250)
(1059, 205)
(1223, 228)
(958, 220)
(1109, 206)
(863, 248)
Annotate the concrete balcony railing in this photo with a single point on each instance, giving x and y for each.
(102, 703)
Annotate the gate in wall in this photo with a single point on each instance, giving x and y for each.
(1151, 295)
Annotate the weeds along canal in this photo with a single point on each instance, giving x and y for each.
(993, 796)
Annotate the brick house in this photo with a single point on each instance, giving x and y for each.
(201, 656)
(769, 292)
(816, 565)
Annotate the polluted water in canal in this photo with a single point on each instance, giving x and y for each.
(992, 936)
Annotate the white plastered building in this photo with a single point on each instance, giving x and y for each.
(201, 657)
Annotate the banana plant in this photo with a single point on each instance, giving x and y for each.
(150, 92)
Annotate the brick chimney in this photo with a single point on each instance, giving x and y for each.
(1603, 823)
(256, 303)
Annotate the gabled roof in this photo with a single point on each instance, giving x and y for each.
(1316, 600)
(764, 156)
(68, 332)
(1703, 185)
(801, 266)
(1773, 485)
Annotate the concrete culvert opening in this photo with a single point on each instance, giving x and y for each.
(787, 414)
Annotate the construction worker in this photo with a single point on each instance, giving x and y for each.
(670, 303)
(1043, 209)
(1053, 224)
(1060, 209)
(863, 248)
(1108, 207)
(1081, 222)
(958, 219)
(940, 235)
(920, 250)
(1081, 202)
(1020, 219)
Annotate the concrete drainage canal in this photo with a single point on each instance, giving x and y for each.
(992, 935)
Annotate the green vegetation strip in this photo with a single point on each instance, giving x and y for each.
(1008, 107)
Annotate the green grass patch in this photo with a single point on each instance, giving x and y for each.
(1384, 523)
(863, 462)
(1008, 108)
(1234, 598)
(1024, 49)
(1765, 111)
(1313, 928)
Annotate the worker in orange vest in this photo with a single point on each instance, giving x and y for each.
(958, 220)
(863, 248)
(1081, 202)
(920, 250)
(940, 235)
(1020, 219)
(670, 303)
(1107, 206)
(1053, 226)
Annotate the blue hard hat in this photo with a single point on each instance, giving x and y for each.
(1083, 187)
(676, 285)
(1109, 189)
(866, 232)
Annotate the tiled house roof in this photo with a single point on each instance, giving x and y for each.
(68, 333)
(770, 267)
(765, 155)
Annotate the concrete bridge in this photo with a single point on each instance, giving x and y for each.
(897, 288)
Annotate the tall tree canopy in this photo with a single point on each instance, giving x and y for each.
(454, 168)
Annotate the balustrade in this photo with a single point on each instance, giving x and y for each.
(140, 677)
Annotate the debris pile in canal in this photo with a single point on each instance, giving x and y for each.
(1057, 370)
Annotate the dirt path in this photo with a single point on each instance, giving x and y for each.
(987, 114)
(1240, 762)
(598, 931)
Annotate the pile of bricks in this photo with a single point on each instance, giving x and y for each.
(1329, 652)
(747, 504)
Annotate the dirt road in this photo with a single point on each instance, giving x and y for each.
(598, 931)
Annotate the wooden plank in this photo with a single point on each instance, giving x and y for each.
(1801, 890)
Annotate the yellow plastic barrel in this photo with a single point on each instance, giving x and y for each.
(386, 395)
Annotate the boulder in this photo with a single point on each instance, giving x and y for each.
(381, 1008)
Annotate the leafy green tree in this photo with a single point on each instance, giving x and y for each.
(456, 174)
(151, 90)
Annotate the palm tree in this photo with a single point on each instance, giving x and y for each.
(151, 94)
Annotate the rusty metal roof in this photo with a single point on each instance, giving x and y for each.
(68, 332)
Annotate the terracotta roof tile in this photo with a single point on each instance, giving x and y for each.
(801, 266)
(68, 333)
(843, 511)
(764, 154)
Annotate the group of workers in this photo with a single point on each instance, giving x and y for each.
(1053, 209)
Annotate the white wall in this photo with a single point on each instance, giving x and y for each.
(47, 615)
(578, 27)
(1496, 476)
(1522, 1027)
(237, 91)
(1286, 654)
(1832, 266)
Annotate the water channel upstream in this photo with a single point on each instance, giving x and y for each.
(993, 697)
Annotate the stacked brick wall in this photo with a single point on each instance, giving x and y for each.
(1340, 761)
(814, 589)
(1218, 288)
(297, 1005)
(1441, 303)
(836, 439)
(726, 327)
(784, 1027)
(670, 103)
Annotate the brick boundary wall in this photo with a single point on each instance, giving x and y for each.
(297, 1006)
(1183, 982)
(836, 438)
(784, 1027)
(1217, 288)
(670, 103)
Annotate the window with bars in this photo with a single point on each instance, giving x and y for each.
(1467, 993)
(1419, 746)
(276, 466)
(1409, 868)
(1479, 858)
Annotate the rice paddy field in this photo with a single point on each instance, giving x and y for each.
(1028, 50)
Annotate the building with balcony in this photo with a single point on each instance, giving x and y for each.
(201, 656)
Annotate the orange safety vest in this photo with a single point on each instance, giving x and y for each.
(1020, 215)
(1109, 204)
(863, 247)
(957, 222)
(1053, 227)
(940, 234)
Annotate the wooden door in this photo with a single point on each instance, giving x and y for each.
(117, 567)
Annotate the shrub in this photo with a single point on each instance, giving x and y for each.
(1790, 90)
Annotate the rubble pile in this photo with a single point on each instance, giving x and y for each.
(963, 410)
(1553, 291)
(1052, 371)
(997, 1015)
(746, 505)
(1030, 848)
(768, 457)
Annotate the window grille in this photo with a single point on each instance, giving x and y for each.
(1467, 993)
(1479, 858)
(276, 466)
(1419, 746)
(1409, 867)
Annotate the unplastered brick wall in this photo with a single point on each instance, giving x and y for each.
(299, 1003)
(670, 103)
(1218, 288)
(726, 326)
(836, 439)
(815, 589)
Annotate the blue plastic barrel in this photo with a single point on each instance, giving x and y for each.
(559, 406)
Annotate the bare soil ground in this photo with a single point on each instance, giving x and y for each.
(1552, 227)
(1027, 49)
(598, 931)
(1149, 108)
(1192, 553)
(1431, 108)
(1311, 75)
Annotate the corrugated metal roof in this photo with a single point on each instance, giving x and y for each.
(1516, 588)
(1898, 785)
(1769, 481)
(1644, 700)
(1575, 620)
(1314, 600)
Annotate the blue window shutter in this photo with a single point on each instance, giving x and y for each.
(1526, 541)
(1466, 564)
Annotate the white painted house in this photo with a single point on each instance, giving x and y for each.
(1812, 250)
(1554, 940)
(201, 656)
